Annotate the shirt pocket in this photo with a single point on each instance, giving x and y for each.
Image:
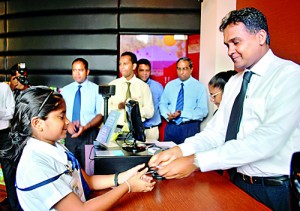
(254, 112)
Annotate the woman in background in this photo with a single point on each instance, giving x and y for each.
(216, 86)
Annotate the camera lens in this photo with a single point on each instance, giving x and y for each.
(23, 80)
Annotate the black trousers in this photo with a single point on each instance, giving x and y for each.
(77, 145)
(9, 172)
(274, 197)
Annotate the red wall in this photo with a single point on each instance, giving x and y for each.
(284, 25)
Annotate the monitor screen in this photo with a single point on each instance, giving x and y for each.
(136, 126)
(106, 131)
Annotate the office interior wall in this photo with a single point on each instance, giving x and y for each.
(213, 52)
(283, 20)
(49, 35)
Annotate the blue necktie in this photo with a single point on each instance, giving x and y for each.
(180, 103)
(236, 115)
(76, 165)
(77, 105)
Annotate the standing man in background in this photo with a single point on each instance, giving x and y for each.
(258, 154)
(7, 108)
(130, 87)
(143, 73)
(183, 104)
(83, 103)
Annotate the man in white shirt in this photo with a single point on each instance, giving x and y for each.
(269, 130)
(7, 107)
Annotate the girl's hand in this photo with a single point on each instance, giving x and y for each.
(129, 173)
(141, 182)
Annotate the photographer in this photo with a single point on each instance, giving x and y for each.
(18, 83)
(18, 80)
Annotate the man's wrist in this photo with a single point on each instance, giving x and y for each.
(196, 163)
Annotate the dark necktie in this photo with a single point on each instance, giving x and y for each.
(236, 115)
(180, 103)
(76, 165)
(77, 105)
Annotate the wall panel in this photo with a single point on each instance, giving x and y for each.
(64, 22)
(63, 42)
(49, 35)
(283, 20)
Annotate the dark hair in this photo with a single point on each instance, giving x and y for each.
(132, 56)
(85, 63)
(34, 101)
(185, 59)
(143, 61)
(221, 78)
(252, 18)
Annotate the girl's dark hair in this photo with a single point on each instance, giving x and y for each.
(221, 78)
(34, 101)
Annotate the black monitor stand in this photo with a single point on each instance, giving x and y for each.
(130, 145)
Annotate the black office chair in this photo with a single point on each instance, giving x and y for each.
(295, 182)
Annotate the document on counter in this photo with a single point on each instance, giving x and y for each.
(162, 144)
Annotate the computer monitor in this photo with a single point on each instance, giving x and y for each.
(136, 127)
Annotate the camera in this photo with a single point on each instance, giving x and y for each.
(23, 74)
(21, 68)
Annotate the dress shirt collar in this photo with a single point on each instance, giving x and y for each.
(131, 80)
(82, 84)
(149, 81)
(186, 81)
(262, 65)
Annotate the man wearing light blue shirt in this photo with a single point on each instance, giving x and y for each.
(85, 130)
(151, 125)
(186, 122)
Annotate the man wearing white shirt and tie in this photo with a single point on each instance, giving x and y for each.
(269, 129)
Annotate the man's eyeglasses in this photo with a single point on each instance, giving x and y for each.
(214, 95)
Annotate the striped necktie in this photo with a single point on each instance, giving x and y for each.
(77, 105)
(180, 103)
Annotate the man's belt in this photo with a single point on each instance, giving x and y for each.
(268, 181)
(151, 127)
(186, 122)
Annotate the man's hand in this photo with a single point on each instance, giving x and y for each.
(174, 115)
(164, 158)
(178, 168)
(75, 129)
(121, 105)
